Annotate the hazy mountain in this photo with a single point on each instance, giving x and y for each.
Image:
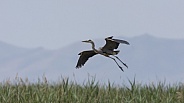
(149, 59)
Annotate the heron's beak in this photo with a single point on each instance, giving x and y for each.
(85, 41)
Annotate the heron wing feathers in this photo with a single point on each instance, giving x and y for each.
(120, 41)
(112, 44)
(84, 56)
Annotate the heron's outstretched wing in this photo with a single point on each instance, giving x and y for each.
(120, 41)
(84, 56)
(112, 44)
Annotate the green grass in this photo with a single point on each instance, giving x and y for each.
(65, 91)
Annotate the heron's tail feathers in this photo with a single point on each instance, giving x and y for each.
(115, 52)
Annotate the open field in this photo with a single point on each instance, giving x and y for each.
(65, 91)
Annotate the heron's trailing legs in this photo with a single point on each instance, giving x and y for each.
(116, 63)
(121, 61)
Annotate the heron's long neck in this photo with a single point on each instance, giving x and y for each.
(93, 46)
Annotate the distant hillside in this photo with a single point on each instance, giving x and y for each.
(149, 59)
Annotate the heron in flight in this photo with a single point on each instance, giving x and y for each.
(107, 50)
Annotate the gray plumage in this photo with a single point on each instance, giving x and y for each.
(84, 56)
(106, 50)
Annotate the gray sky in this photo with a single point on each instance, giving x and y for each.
(56, 23)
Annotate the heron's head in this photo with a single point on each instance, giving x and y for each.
(88, 41)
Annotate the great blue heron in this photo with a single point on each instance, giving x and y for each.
(106, 50)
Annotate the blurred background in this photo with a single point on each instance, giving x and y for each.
(43, 37)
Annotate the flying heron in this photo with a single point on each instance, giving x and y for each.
(106, 50)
